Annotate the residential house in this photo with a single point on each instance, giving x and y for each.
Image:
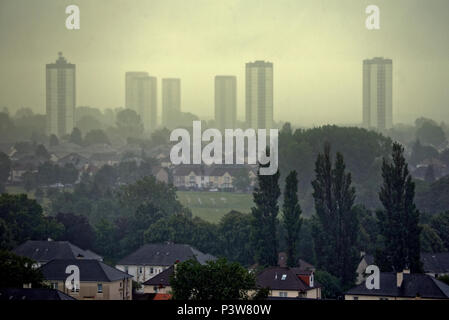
(161, 174)
(160, 283)
(98, 281)
(190, 177)
(435, 264)
(221, 178)
(151, 259)
(33, 294)
(401, 286)
(43, 251)
(106, 158)
(22, 165)
(214, 176)
(289, 283)
(78, 161)
(365, 261)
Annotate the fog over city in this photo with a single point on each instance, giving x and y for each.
(316, 47)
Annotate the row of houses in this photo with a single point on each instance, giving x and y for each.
(184, 177)
(152, 265)
(220, 177)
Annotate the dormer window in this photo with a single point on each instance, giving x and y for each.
(284, 276)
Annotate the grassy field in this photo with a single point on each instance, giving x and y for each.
(19, 190)
(211, 206)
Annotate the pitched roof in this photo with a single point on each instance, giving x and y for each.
(32, 294)
(164, 254)
(44, 251)
(413, 285)
(162, 278)
(90, 270)
(183, 171)
(435, 262)
(278, 278)
(304, 265)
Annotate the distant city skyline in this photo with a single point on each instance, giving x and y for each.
(316, 47)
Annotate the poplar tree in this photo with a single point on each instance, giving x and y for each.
(399, 218)
(335, 224)
(292, 217)
(264, 219)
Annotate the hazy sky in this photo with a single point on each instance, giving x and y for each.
(316, 46)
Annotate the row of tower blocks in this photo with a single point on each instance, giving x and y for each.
(141, 96)
(142, 89)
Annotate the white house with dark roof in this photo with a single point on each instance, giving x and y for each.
(151, 259)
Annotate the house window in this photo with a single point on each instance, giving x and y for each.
(151, 270)
(356, 298)
(383, 298)
(284, 276)
(54, 285)
(283, 294)
(140, 269)
(100, 288)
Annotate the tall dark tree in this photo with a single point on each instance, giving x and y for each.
(77, 230)
(264, 222)
(292, 220)
(17, 271)
(5, 168)
(76, 137)
(215, 280)
(54, 141)
(399, 219)
(336, 225)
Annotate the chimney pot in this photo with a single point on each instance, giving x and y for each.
(399, 278)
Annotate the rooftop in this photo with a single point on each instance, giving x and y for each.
(164, 254)
(413, 285)
(90, 270)
(43, 251)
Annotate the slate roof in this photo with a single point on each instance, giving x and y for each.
(162, 278)
(33, 294)
(278, 278)
(44, 251)
(435, 262)
(90, 270)
(413, 285)
(164, 254)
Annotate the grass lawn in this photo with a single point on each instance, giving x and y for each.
(211, 206)
(19, 190)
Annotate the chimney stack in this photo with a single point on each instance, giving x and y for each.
(400, 277)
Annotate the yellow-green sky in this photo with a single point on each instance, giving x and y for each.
(317, 47)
